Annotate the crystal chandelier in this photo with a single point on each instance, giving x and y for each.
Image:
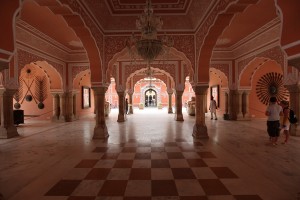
(148, 46)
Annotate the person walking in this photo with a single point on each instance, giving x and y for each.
(273, 111)
(213, 108)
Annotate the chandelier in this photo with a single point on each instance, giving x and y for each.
(148, 46)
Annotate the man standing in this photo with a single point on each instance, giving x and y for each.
(213, 107)
(274, 111)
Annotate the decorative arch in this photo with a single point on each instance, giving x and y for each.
(77, 80)
(124, 56)
(246, 75)
(55, 69)
(207, 35)
(223, 79)
(85, 29)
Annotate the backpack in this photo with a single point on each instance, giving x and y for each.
(292, 118)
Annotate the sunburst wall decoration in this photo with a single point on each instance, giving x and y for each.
(271, 85)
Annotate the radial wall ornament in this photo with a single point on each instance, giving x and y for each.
(271, 85)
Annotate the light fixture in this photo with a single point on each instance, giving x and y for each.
(148, 46)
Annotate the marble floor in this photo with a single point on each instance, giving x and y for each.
(150, 156)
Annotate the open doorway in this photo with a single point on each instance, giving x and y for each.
(150, 98)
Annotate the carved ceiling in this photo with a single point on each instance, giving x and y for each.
(117, 17)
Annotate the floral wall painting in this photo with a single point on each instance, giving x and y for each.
(214, 92)
(86, 97)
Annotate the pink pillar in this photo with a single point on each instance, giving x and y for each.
(200, 129)
(100, 130)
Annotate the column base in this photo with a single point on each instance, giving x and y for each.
(121, 118)
(170, 111)
(179, 117)
(62, 119)
(239, 117)
(100, 132)
(130, 110)
(200, 132)
(10, 132)
(54, 119)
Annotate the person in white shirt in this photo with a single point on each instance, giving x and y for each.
(213, 108)
(273, 111)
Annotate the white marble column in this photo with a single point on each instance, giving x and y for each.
(200, 129)
(121, 115)
(100, 130)
(178, 114)
(7, 128)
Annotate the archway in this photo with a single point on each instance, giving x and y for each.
(150, 98)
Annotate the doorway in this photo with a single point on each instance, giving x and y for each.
(150, 98)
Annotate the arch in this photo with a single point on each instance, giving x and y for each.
(155, 69)
(124, 56)
(77, 80)
(52, 73)
(7, 39)
(223, 79)
(207, 43)
(85, 30)
(246, 76)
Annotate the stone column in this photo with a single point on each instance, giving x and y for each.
(178, 114)
(100, 130)
(62, 107)
(226, 102)
(170, 109)
(200, 129)
(7, 128)
(55, 115)
(130, 105)
(239, 104)
(246, 105)
(75, 105)
(121, 115)
(294, 91)
(69, 106)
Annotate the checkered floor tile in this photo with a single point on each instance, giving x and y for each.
(141, 170)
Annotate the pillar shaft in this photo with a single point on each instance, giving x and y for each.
(121, 115)
(130, 103)
(294, 91)
(55, 103)
(200, 129)
(7, 128)
(170, 109)
(239, 100)
(178, 114)
(62, 107)
(100, 130)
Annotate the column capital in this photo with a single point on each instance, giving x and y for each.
(99, 89)
(170, 91)
(200, 90)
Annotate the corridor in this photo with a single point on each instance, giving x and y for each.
(150, 156)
